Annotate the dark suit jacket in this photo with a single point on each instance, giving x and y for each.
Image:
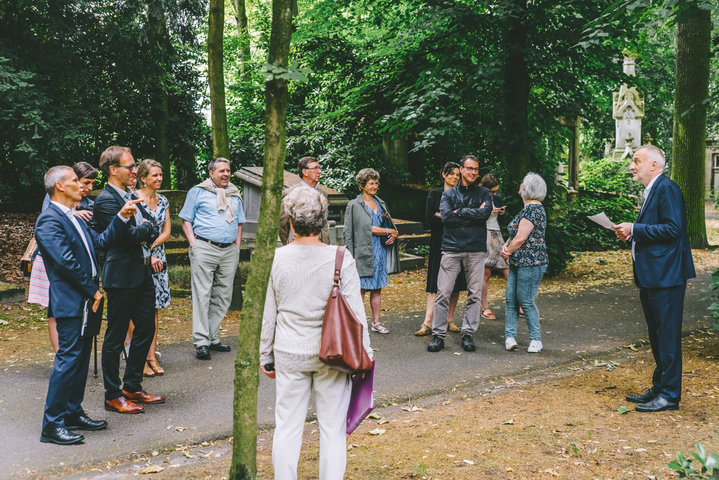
(662, 254)
(66, 260)
(124, 263)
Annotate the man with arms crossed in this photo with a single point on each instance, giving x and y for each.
(127, 278)
(465, 210)
(212, 219)
(662, 265)
(309, 170)
(68, 249)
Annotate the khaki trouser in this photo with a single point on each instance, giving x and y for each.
(213, 274)
(449, 268)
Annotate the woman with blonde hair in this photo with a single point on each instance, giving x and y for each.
(149, 181)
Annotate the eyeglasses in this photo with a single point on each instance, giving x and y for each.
(313, 168)
(129, 167)
(471, 169)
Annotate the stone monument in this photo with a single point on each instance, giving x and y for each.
(628, 111)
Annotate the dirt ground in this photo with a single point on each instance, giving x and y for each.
(569, 424)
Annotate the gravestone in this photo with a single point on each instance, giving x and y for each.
(628, 111)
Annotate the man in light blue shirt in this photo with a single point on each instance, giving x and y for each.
(212, 219)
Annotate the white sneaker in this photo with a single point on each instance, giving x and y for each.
(535, 346)
(510, 344)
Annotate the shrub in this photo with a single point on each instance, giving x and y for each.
(608, 175)
(708, 465)
(569, 229)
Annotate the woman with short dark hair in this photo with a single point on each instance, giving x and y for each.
(450, 178)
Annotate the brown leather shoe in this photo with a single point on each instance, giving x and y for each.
(143, 397)
(123, 405)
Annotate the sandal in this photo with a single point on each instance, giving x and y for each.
(156, 367)
(147, 371)
(453, 327)
(423, 330)
(487, 313)
(379, 328)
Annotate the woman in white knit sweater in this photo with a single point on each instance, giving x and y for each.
(297, 293)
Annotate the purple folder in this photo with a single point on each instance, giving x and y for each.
(361, 401)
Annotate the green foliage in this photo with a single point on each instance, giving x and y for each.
(608, 175)
(714, 307)
(707, 465)
(569, 230)
(78, 76)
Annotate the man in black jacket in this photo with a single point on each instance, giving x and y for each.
(465, 210)
(127, 278)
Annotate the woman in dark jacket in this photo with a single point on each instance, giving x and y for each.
(450, 175)
(371, 237)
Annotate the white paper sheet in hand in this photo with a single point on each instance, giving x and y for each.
(602, 220)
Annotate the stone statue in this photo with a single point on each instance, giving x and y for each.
(628, 111)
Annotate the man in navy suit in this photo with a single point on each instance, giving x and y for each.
(662, 265)
(127, 279)
(68, 249)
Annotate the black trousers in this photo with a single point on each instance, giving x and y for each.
(123, 305)
(663, 311)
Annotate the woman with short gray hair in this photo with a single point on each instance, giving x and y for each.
(300, 282)
(370, 235)
(526, 253)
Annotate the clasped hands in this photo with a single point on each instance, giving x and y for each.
(623, 231)
(505, 253)
(392, 235)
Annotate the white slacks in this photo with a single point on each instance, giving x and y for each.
(295, 380)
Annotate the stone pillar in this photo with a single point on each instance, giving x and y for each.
(573, 158)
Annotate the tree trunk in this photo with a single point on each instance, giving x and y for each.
(215, 73)
(692, 88)
(516, 89)
(243, 34)
(244, 447)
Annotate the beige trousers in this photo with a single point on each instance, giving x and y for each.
(296, 379)
(213, 273)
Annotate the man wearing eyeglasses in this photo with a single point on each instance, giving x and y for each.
(309, 170)
(464, 210)
(127, 278)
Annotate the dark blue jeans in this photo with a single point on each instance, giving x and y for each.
(522, 286)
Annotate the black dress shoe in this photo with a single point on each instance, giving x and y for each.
(436, 344)
(203, 352)
(83, 422)
(60, 436)
(657, 405)
(644, 397)
(468, 343)
(219, 347)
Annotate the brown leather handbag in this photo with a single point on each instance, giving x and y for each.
(341, 345)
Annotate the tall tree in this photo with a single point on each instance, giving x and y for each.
(692, 90)
(244, 447)
(215, 73)
(516, 88)
(243, 34)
